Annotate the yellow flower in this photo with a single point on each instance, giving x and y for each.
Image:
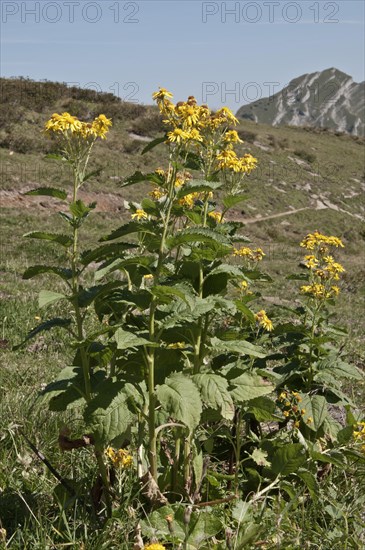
(177, 136)
(190, 114)
(316, 239)
(282, 396)
(157, 193)
(216, 216)
(286, 413)
(232, 137)
(177, 345)
(140, 214)
(226, 115)
(264, 321)
(155, 546)
(66, 123)
(120, 458)
(161, 94)
(244, 285)
(309, 420)
(311, 261)
(148, 276)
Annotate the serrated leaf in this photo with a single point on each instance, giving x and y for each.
(47, 325)
(310, 481)
(127, 340)
(48, 192)
(153, 144)
(260, 457)
(214, 393)
(166, 293)
(63, 240)
(316, 410)
(129, 228)
(180, 398)
(80, 210)
(105, 251)
(237, 346)
(96, 172)
(248, 386)
(47, 297)
(108, 413)
(197, 186)
(139, 177)
(197, 234)
(233, 200)
(287, 460)
(34, 270)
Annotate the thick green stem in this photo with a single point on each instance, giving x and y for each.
(104, 476)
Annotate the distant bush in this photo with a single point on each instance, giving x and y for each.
(303, 154)
(148, 124)
(246, 135)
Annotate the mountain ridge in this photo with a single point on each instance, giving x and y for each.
(322, 99)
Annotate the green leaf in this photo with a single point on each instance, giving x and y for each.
(298, 277)
(197, 234)
(34, 270)
(80, 210)
(202, 526)
(49, 192)
(150, 207)
(92, 174)
(138, 177)
(63, 240)
(310, 481)
(339, 369)
(131, 227)
(166, 293)
(233, 200)
(197, 186)
(260, 457)
(214, 393)
(127, 340)
(245, 310)
(153, 144)
(47, 297)
(66, 391)
(316, 410)
(180, 398)
(286, 460)
(47, 325)
(102, 252)
(263, 409)
(237, 346)
(108, 414)
(248, 386)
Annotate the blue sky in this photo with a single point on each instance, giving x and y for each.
(228, 52)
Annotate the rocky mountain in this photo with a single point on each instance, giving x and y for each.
(324, 99)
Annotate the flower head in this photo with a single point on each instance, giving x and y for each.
(140, 214)
(264, 321)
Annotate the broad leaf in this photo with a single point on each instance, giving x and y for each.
(286, 460)
(237, 346)
(126, 340)
(153, 144)
(34, 270)
(309, 480)
(129, 228)
(47, 297)
(48, 192)
(214, 393)
(233, 200)
(108, 413)
(197, 186)
(180, 398)
(105, 251)
(248, 386)
(315, 410)
(47, 325)
(198, 234)
(63, 240)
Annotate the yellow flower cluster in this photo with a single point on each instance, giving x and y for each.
(324, 270)
(207, 131)
(256, 254)
(154, 546)
(317, 240)
(177, 345)
(216, 216)
(359, 434)
(228, 160)
(288, 403)
(120, 458)
(67, 124)
(264, 321)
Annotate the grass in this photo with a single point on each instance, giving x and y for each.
(29, 511)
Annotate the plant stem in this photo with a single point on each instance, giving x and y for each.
(104, 476)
